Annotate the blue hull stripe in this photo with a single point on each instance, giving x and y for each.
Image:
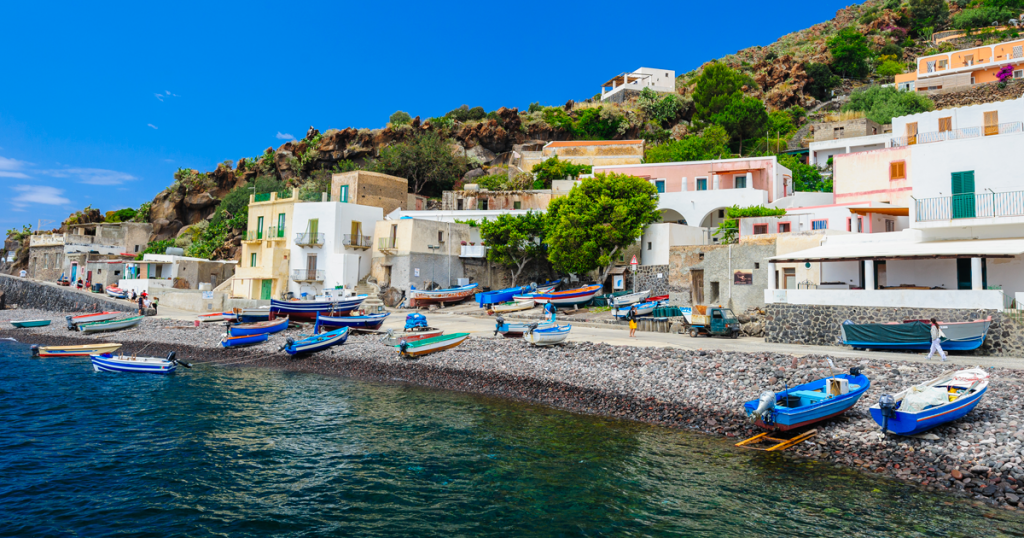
(914, 423)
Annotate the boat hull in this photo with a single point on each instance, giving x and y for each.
(521, 305)
(915, 423)
(413, 337)
(242, 341)
(253, 315)
(548, 337)
(965, 336)
(631, 298)
(116, 293)
(517, 330)
(453, 295)
(371, 322)
(499, 296)
(113, 325)
(78, 351)
(31, 323)
(433, 345)
(93, 318)
(785, 419)
(318, 343)
(102, 363)
(569, 297)
(308, 310)
(252, 329)
(642, 309)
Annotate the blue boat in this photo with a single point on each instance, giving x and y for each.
(808, 403)
(932, 403)
(370, 322)
(242, 341)
(137, 365)
(263, 327)
(500, 296)
(309, 309)
(317, 343)
(915, 335)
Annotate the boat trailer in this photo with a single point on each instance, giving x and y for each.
(780, 444)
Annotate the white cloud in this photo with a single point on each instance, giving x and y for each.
(153, 126)
(92, 176)
(159, 97)
(167, 93)
(284, 136)
(38, 194)
(12, 168)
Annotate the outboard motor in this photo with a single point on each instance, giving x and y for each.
(855, 371)
(887, 403)
(287, 342)
(403, 346)
(35, 350)
(71, 326)
(765, 404)
(499, 322)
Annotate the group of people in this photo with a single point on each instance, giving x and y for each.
(144, 302)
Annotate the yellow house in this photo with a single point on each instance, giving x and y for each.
(263, 270)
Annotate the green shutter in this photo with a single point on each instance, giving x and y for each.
(963, 195)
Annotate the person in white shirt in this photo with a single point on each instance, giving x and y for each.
(936, 341)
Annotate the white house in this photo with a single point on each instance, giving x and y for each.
(1003, 117)
(331, 245)
(659, 80)
(819, 152)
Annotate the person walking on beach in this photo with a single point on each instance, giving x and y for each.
(552, 310)
(632, 321)
(936, 341)
(142, 305)
(156, 301)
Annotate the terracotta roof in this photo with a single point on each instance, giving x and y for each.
(594, 143)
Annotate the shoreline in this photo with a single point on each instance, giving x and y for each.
(977, 457)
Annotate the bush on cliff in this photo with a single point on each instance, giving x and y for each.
(883, 104)
(553, 168)
(426, 160)
(712, 143)
(850, 53)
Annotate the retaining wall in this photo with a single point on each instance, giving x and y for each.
(819, 325)
(30, 294)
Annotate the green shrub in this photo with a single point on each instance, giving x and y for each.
(822, 80)
(889, 68)
(849, 53)
(400, 118)
(121, 215)
(883, 104)
(155, 247)
(729, 228)
(534, 107)
(712, 143)
(553, 168)
(464, 113)
(982, 16)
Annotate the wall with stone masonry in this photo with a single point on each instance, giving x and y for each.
(28, 294)
(647, 278)
(819, 325)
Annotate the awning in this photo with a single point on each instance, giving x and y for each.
(618, 270)
(905, 250)
(894, 211)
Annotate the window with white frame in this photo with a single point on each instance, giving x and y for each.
(702, 183)
(1019, 73)
(660, 184)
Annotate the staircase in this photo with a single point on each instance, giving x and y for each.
(372, 302)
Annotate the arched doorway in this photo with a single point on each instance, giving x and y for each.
(672, 216)
(714, 218)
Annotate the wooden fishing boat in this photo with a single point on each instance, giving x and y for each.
(642, 309)
(242, 341)
(370, 322)
(217, 316)
(252, 315)
(630, 298)
(577, 296)
(549, 336)
(116, 292)
(316, 343)
(83, 350)
(90, 318)
(21, 324)
(548, 286)
(933, 403)
(914, 334)
(308, 310)
(110, 325)
(262, 327)
(513, 307)
(515, 330)
(450, 295)
(137, 365)
(500, 296)
(808, 403)
(430, 345)
(393, 339)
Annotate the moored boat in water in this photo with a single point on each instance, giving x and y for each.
(806, 404)
(83, 350)
(110, 325)
(932, 403)
(915, 334)
(137, 365)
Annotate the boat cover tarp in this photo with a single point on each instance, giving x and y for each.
(896, 333)
(920, 398)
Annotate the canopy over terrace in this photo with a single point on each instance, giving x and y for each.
(906, 250)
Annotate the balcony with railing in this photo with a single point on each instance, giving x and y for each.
(357, 241)
(274, 233)
(386, 244)
(958, 134)
(307, 275)
(307, 239)
(970, 206)
(253, 236)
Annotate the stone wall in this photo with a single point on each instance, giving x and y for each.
(46, 263)
(819, 325)
(978, 94)
(29, 294)
(719, 264)
(372, 189)
(652, 277)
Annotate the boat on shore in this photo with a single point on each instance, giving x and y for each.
(74, 321)
(308, 310)
(316, 343)
(495, 297)
(83, 350)
(261, 327)
(451, 295)
(217, 316)
(393, 339)
(110, 325)
(137, 365)
(26, 323)
(242, 341)
(513, 307)
(431, 345)
(548, 336)
(116, 292)
(915, 335)
(572, 297)
(630, 298)
(548, 286)
(642, 309)
(252, 315)
(808, 403)
(932, 403)
(370, 322)
(516, 330)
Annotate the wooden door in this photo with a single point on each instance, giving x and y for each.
(911, 133)
(992, 123)
(963, 195)
(311, 266)
(357, 230)
(697, 286)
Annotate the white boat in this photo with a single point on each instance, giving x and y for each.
(391, 338)
(430, 345)
(630, 298)
(137, 365)
(515, 330)
(249, 315)
(574, 297)
(112, 325)
(642, 309)
(549, 336)
(514, 307)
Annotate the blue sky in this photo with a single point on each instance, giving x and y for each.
(101, 102)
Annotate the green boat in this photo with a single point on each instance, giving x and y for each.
(111, 325)
(430, 345)
(31, 323)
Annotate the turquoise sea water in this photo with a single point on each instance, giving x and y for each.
(239, 452)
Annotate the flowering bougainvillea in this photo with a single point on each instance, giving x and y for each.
(1005, 73)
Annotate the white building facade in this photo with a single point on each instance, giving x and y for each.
(330, 246)
(659, 80)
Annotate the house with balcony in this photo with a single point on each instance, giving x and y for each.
(53, 255)
(415, 252)
(330, 246)
(625, 86)
(263, 271)
(842, 137)
(961, 69)
(697, 193)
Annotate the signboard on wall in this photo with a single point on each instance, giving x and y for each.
(207, 295)
(742, 277)
(416, 271)
(618, 283)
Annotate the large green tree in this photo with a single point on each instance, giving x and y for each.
(850, 53)
(717, 88)
(554, 168)
(712, 143)
(822, 80)
(744, 118)
(806, 178)
(514, 240)
(599, 217)
(928, 14)
(427, 161)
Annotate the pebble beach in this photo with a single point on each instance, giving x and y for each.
(979, 456)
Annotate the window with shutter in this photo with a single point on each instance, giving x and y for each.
(945, 124)
(898, 170)
(992, 123)
(1018, 51)
(912, 133)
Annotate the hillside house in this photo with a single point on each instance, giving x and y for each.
(623, 86)
(961, 69)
